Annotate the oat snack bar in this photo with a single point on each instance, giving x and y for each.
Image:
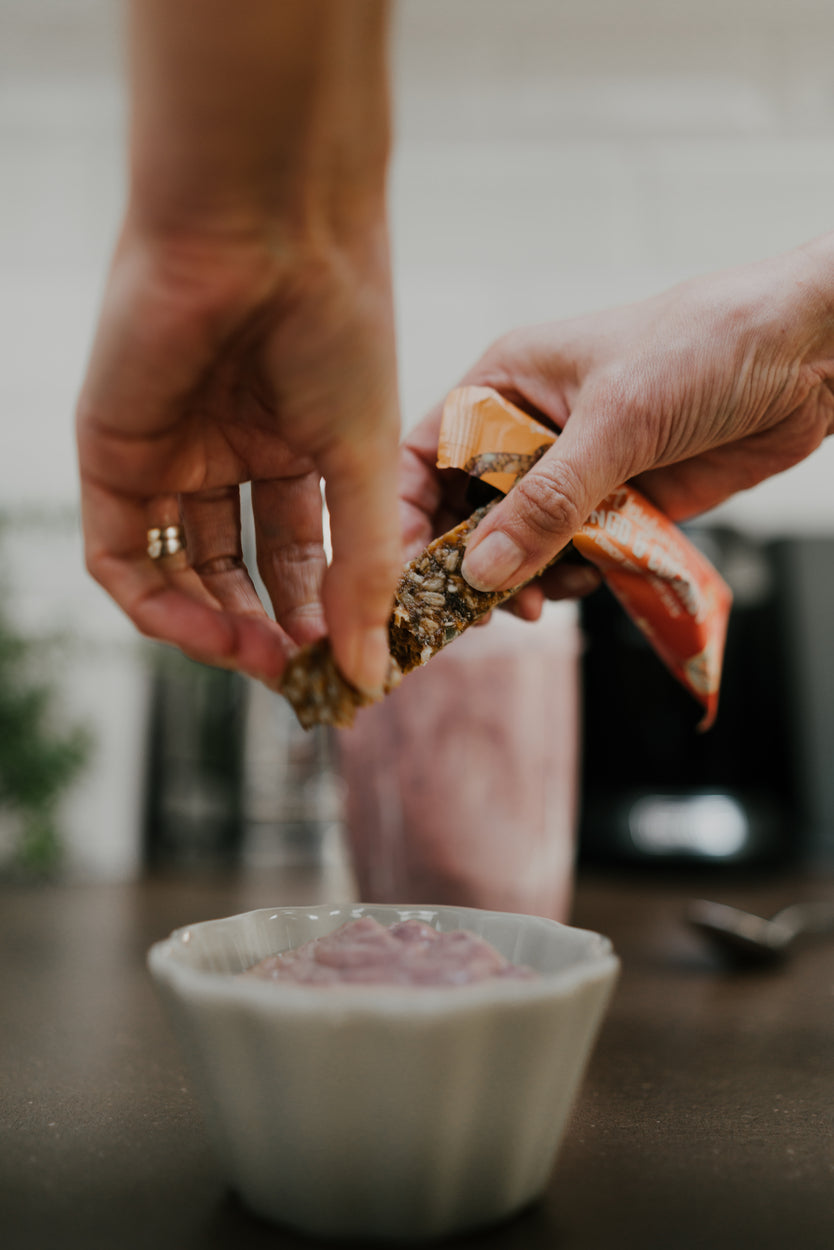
(433, 604)
(318, 692)
(670, 590)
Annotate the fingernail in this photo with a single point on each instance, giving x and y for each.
(371, 669)
(493, 562)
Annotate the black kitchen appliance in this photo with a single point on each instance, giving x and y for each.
(757, 788)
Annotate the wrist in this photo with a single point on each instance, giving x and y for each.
(314, 218)
(247, 120)
(217, 277)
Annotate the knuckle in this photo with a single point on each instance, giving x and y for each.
(625, 392)
(292, 555)
(502, 364)
(616, 386)
(100, 567)
(218, 565)
(293, 573)
(547, 500)
(502, 349)
(142, 628)
(632, 416)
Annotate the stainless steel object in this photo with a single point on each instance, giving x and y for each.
(753, 939)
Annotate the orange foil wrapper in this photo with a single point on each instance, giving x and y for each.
(668, 588)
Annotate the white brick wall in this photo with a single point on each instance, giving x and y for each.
(554, 158)
(551, 158)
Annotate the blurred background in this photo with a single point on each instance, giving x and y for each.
(551, 158)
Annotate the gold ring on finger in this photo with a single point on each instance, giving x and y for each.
(165, 540)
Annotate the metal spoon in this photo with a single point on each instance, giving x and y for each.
(752, 939)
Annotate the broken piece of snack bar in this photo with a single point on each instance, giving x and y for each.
(318, 692)
(433, 605)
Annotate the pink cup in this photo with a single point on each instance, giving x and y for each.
(462, 785)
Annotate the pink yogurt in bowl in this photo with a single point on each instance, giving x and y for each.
(408, 952)
(379, 1111)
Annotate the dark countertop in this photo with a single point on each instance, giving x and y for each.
(706, 1119)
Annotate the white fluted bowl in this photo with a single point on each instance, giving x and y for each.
(385, 1111)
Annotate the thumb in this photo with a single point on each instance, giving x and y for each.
(540, 515)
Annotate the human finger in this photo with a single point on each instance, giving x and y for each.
(527, 604)
(212, 527)
(420, 492)
(291, 559)
(358, 588)
(432, 500)
(165, 599)
(527, 530)
(566, 580)
(425, 518)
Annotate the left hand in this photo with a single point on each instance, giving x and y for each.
(220, 364)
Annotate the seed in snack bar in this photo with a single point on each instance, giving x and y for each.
(433, 605)
(317, 691)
